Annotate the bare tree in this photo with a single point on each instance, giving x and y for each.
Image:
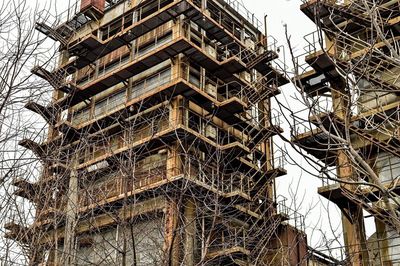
(20, 47)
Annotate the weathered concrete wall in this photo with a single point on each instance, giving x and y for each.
(144, 238)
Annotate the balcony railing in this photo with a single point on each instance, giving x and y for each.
(168, 34)
(294, 217)
(211, 176)
(116, 185)
(144, 129)
(221, 92)
(145, 175)
(236, 239)
(244, 12)
(120, 141)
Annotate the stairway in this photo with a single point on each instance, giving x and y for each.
(263, 58)
(380, 213)
(361, 132)
(57, 35)
(56, 79)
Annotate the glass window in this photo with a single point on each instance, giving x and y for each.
(150, 83)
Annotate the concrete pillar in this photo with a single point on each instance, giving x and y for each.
(190, 232)
(71, 214)
(267, 146)
(172, 236)
(203, 4)
(174, 164)
(354, 229)
(176, 114)
(383, 243)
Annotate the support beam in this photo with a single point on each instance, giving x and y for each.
(71, 212)
(353, 220)
(190, 232)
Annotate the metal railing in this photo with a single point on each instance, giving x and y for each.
(62, 17)
(215, 178)
(109, 145)
(150, 173)
(278, 160)
(295, 218)
(301, 126)
(223, 91)
(244, 12)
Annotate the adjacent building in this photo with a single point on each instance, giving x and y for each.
(353, 93)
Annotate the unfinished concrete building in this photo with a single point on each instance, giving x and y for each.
(351, 87)
(159, 150)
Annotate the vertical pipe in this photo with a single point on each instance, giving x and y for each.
(265, 29)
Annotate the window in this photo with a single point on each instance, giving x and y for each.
(110, 103)
(81, 116)
(155, 44)
(194, 76)
(147, 84)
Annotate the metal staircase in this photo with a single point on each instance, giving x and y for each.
(260, 89)
(260, 129)
(263, 58)
(36, 148)
(61, 35)
(353, 11)
(262, 191)
(362, 133)
(264, 231)
(63, 27)
(369, 61)
(56, 79)
(371, 207)
(357, 124)
(48, 113)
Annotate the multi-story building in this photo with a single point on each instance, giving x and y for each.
(353, 94)
(159, 149)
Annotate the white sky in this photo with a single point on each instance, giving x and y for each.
(323, 216)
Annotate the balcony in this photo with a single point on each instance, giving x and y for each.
(317, 143)
(156, 179)
(151, 175)
(244, 12)
(351, 16)
(212, 93)
(226, 101)
(228, 248)
(17, 232)
(139, 21)
(160, 129)
(115, 142)
(25, 189)
(183, 41)
(339, 193)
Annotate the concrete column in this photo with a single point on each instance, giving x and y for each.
(174, 164)
(176, 115)
(172, 236)
(203, 4)
(190, 232)
(71, 213)
(354, 229)
(267, 146)
(383, 243)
